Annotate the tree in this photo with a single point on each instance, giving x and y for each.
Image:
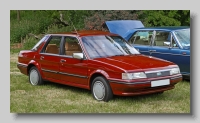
(165, 17)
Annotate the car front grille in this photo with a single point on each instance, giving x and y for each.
(157, 74)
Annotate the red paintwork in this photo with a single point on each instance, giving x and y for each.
(110, 68)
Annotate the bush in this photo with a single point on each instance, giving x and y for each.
(29, 43)
(31, 22)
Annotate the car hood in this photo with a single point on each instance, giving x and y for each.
(122, 27)
(135, 62)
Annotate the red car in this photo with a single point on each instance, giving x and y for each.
(98, 61)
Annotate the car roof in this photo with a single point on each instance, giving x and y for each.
(166, 28)
(85, 33)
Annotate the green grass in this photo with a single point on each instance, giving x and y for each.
(56, 98)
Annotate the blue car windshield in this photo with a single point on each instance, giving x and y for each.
(183, 37)
(107, 46)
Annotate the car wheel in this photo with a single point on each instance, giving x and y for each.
(35, 77)
(101, 90)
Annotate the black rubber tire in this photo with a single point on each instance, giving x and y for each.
(101, 90)
(35, 77)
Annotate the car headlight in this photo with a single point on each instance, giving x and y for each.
(174, 71)
(137, 75)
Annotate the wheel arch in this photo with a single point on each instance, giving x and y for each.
(31, 64)
(96, 74)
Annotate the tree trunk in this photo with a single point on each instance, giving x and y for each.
(18, 15)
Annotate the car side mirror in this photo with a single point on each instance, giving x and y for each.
(78, 55)
(167, 44)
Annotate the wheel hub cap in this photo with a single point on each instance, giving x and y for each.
(99, 90)
(34, 77)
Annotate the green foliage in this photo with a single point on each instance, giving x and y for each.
(45, 21)
(55, 28)
(165, 17)
(30, 42)
(78, 17)
(31, 22)
(38, 21)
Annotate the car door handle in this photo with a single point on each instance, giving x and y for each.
(62, 60)
(152, 50)
(42, 57)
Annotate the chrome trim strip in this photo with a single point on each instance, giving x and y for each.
(156, 71)
(186, 74)
(49, 71)
(21, 64)
(176, 77)
(50, 54)
(129, 83)
(64, 73)
(73, 75)
(170, 54)
(163, 53)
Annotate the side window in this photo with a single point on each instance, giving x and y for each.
(174, 44)
(141, 38)
(161, 37)
(53, 46)
(72, 46)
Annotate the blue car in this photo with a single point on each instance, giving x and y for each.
(168, 43)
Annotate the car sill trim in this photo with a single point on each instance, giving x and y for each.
(68, 74)
(22, 65)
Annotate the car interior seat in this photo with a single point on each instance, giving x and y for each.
(72, 47)
(52, 48)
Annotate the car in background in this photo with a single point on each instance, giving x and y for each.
(170, 43)
(99, 61)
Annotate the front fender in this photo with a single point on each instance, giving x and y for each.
(96, 73)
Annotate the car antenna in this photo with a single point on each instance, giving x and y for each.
(73, 25)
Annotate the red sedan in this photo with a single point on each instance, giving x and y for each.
(98, 61)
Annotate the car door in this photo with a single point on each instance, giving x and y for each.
(50, 58)
(140, 40)
(72, 70)
(166, 47)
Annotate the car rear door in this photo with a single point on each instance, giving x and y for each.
(168, 49)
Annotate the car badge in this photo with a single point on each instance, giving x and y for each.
(159, 73)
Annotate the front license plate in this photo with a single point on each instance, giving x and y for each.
(160, 83)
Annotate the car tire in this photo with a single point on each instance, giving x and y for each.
(101, 90)
(35, 77)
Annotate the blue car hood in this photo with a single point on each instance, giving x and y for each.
(123, 27)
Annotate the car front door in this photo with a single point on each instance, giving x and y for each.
(73, 71)
(50, 58)
(166, 47)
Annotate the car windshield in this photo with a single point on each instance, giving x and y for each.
(107, 46)
(183, 37)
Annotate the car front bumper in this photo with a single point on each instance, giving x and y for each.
(22, 68)
(142, 86)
